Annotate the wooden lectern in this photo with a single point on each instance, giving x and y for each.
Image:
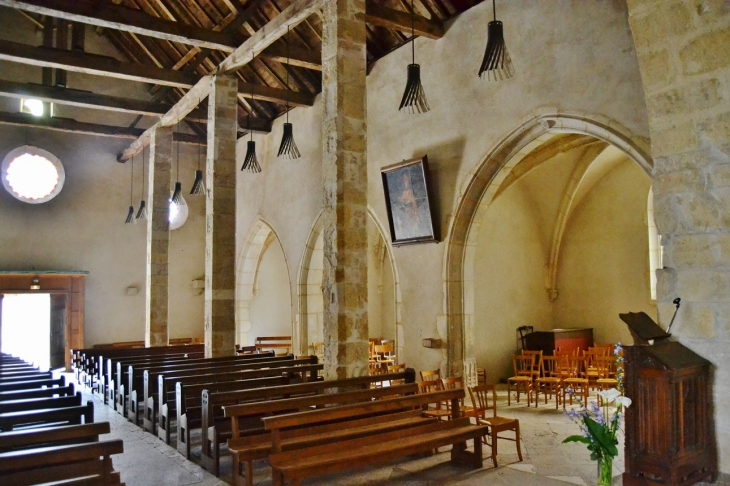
(670, 433)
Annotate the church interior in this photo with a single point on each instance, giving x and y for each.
(364, 241)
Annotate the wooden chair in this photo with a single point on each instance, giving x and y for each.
(535, 372)
(553, 369)
(317, 349)
(522, 365)
(431, 375)
(439, 410)
(456, 383)
(606, 371)
(384, 354)
(484, 398)
(397, 368)
(576, 382)
(481, 376)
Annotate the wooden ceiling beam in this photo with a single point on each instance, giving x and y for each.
(377, 14)
(274, 95)
(298, 56)
(126, 19)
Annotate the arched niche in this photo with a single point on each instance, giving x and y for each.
(381, 266)
(262, 286)
(482, 187)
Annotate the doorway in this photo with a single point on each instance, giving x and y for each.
(26, 329)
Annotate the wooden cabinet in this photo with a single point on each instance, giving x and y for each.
(566, 339)
(669, 426)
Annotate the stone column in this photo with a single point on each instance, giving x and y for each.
(158, 237)
(683, 48)
(344, 166)
(220, 213)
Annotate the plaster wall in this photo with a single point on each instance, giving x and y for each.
(270, 309)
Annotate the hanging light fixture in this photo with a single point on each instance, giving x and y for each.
(130, 214)
(414, 98)
(496, 60)
(177, 193)
(251, 163)
(35, 284)
(198, 185)
(142, 212)
(288, 148)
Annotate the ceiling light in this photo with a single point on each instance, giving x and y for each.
(33, 106)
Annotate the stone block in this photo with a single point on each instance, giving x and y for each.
(695, 321)
(704, 285)
(716, 129)
(708, 52)
(696, 250)
(686, 99)
(653, 27)
(690, 180)
(657, 70)
(673, 140)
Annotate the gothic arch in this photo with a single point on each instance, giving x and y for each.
(482, 185)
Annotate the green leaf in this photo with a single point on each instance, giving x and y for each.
(607, 443)
(577, 438)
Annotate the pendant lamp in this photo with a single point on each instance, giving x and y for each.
(177, 193)
(414, 98)
(130, 214)
(142, 213)
(198, 185)
(496, 62)
(288, 149)
(251, 163)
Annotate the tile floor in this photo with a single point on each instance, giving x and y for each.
(147, 461)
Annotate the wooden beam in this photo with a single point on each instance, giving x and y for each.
(92, 64)
(126, 19)
(269, 33)
(69, 125)
(298, 56)
(377, 14)
(274, 95)
(87, 99)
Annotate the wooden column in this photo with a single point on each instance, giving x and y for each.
(158, 237)
(344, 165)
(220, 213)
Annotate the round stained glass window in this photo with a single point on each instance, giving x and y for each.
(32, 175)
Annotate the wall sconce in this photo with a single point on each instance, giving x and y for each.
(35, 284)
(198, 286)
(431, 343)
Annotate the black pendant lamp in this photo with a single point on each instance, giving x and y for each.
(497, 62)
(198, 185)
(130, 214)
(414, 98)
(177, 193)
(251, 163)
(288, 149)
(142, 212)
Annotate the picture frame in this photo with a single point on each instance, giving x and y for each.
(408, 202)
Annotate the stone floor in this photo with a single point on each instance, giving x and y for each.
(148, 461)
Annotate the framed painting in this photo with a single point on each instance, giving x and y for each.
(407, 199)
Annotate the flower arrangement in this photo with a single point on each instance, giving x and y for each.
(599, 424)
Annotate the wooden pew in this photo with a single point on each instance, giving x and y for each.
(255, 442)
(281, 343)
(49, 436)
(326, 453)
(66, 415)
(164, 394)
(39, 403)
(63, 391)
(91, 461)
(25, 376)
(32, 384)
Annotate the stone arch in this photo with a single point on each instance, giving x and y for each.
(254, 245)
(309, 283)
(482, 185)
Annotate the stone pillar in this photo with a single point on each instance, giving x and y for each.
(220, 213)
(344, 166)
(683, 49)
(158, 237)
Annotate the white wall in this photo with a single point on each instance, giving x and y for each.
(270, 309)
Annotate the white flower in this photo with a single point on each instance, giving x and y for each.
(610, 395)
(625, 401)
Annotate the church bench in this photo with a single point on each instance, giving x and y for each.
(150, 383)
(21, 366)
(66, 415)
(33, 384)
(91, 461)
(25, 376)
(65, 434)
(133, 378)
(164, 394)
(253, 442)
(62, 391)
(381, 447)
(189, 408)
(274, 343)
(39, 403)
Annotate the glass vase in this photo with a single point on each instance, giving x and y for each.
(605, 471)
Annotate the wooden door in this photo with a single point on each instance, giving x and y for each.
(58, 330)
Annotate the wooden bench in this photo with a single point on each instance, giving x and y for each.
(33, 384)
(91, 461)
(66, 434)
(40, 403)
(329, 454)
(66, 415)
(62, 391)
(25, 376)
(279, 344)
(255, 442)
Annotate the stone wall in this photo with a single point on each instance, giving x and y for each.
(684, 56)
